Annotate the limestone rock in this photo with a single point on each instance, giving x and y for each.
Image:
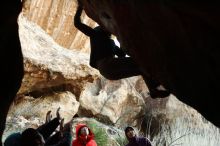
(114, 102)
(56, 18)
(174, 42)
(30, 107)
(49, 65)
(54, 75)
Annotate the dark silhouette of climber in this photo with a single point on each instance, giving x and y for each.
(102, 57)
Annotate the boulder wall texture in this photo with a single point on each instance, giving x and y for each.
(56, 18)
(177, 44)
(53, 74)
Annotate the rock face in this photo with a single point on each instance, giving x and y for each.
(56, 76)
(50, 68)
(184, 71)
(116, 102)
(65, 100)
(175, 42)
(56, 18)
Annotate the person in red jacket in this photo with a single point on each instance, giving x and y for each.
(84, 136)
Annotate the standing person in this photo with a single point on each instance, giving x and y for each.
(84, 136)
(102, 56)
(135, 140)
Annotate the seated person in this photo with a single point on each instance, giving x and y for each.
(84, 136)
(42, 136)
(135, 140)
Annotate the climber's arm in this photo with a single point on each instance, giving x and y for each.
(79, 25)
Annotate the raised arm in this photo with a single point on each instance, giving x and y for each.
(66, 138)
(79, 25)
(50, 125)
(48, 128)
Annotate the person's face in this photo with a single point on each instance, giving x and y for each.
(131, 133)
(84, 131)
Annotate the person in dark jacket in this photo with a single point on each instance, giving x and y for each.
(135, 140)
(103, 56)
(103, 50)
(84, 136)
(42, 136)
(13, 140)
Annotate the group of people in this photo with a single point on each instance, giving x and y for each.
(47, 135)
(44, 135)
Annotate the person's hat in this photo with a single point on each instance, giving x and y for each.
(128, 128)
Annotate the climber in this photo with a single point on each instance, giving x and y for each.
(42, 136)
(84, 136)
(103, 52)
(134, 140)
